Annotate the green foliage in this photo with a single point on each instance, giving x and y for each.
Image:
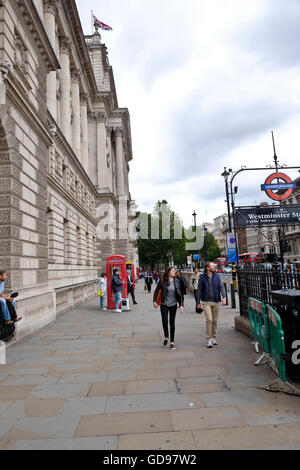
(212, 249)
(162, 238)
(160, 244)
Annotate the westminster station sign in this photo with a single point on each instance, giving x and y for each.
(267, 216)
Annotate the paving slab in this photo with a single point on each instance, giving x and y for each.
(157, 441)
(147, 402)
(150, 386)
(60, 391)
(107, 389)
(37, 428)
(207, 418)
(75, 443)
(83, 378)
(34, 408)
(83, 406)
(125, 423)
(246, 396)
(247, 438)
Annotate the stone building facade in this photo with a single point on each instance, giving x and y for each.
(65, 148)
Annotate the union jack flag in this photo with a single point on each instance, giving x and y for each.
(103, 26)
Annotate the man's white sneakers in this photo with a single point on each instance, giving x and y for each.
(211, 342)
(118, 310)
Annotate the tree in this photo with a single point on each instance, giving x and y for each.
(212, 249)
(163, 245)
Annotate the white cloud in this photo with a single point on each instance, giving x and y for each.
(205, 84)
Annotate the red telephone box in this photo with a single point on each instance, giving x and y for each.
(113, 262)
(137, 273)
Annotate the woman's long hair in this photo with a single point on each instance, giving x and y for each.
(165, 277)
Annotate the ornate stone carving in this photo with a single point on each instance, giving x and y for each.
(75, 75)
(20, 53)
(91, 117)
(84, 98)
(64, 45)
(118, 131)
(100, 117)
(50, 6)
(4, 69)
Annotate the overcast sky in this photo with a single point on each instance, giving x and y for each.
(205, 82)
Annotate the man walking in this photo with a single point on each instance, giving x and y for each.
(130, 287)
(117, 287)
(210, 291)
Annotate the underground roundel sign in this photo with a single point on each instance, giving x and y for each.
(283, 182)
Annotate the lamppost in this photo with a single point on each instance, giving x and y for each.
(225, 175)
(194, 215)
(205, 245)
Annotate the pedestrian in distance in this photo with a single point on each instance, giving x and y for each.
(130, 286)
(148, 281)
(168, 294)
(102, 288)
(193, 285)
(117, 288)
(183, 284)
(210, 292)
(7, 303)
(156, 277)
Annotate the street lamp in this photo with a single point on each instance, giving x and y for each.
(205, 246)
(225, 175)
(194, 215)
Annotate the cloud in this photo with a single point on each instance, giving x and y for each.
(204, 87)
(273, 35)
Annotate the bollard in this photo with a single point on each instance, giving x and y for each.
(233, 303)
(225, 287)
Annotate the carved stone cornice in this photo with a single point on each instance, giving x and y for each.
(75, 75)
(38, 33)
(4, 69)
(64, 45)
(118, 131)
(91, 117)
(50, 6)
(84, 98)
(100, 117)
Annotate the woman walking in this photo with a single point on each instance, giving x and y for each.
(169, 291)
(148, 281)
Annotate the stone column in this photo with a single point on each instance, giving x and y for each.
(39, 6)
(49, 23)
(101, 151)
(65, 86)
(84, 131)
(119, 161)
(76, 131)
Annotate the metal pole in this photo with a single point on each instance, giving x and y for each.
(228, 206)
(233, 303)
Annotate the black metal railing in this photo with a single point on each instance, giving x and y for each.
(258, 282)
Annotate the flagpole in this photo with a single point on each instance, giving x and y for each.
(92, 21)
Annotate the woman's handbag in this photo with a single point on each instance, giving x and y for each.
(199, 310)
(145, 288)
(158, 297)
(100, 293)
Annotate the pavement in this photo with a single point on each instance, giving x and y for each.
(101, 380)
